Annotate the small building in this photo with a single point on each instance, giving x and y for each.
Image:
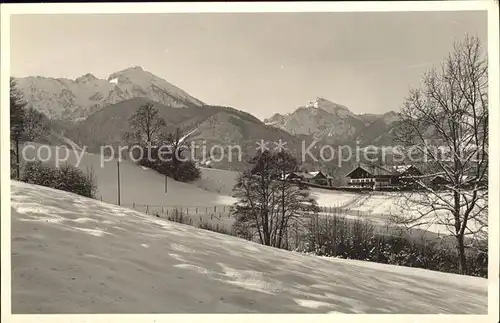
(439, 182)
(315, 178)
(407, 170)
(375, 177)
(408, 175)
(371, 176)
(294, 177)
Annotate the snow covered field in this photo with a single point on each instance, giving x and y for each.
(217, 180)
(138, 184)
(71, 254)
(377, 207)
(222, 181)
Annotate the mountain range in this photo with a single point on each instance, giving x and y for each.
(62, 98)
(95, 112)
(331, 122)
(206, 126)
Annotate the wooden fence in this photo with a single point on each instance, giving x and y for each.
(221, 216)
(193, 215)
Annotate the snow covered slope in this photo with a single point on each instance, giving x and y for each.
(75, 255)
(138, 185)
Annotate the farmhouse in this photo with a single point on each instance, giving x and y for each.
(407, 174)
(315, 178)
(440, 182)
(382, 176)
(294, 177)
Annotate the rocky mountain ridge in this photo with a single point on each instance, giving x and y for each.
(326, 120)
(75, 100)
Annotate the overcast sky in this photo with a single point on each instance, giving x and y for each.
(260, 63)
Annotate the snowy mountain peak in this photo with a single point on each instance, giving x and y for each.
(330, 107)
(71, 99)
(320, 118)
(128, 72)
(130, 69)
(319, 100)
(323, 118)
(89, 77)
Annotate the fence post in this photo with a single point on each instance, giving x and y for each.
(133, 204)
(147, 209)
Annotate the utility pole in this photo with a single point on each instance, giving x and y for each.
(18, 163)
(166, 187)
(118, 169)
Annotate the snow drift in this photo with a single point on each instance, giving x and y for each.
(71, 254)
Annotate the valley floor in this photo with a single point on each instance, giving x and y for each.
(71, 254)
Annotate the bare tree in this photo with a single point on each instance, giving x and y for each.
(146, 125)
(267, 203)
(445, 124)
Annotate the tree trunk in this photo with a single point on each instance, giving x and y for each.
(267, 238)
(18, 168)
(265, 228)
(286, 238)
(462, 265)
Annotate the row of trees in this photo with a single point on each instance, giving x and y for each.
(337, 236)
(26, 124)
(148, 132)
